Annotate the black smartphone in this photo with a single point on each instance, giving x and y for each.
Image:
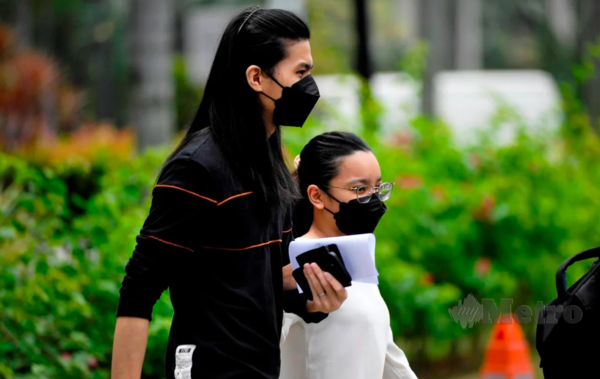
(298, 275)
(336, 267)
(329, 259)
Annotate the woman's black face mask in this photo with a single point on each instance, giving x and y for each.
(296, 102)
(356, 218)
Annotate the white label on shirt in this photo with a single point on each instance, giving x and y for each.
(183, 361)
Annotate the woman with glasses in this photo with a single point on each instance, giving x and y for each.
(342, 193)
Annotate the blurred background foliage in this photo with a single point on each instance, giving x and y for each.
(492, 222)
(488, 220)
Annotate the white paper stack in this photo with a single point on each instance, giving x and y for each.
(358, 253)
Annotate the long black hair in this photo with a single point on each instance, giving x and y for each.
(231, 110)
(319, 163)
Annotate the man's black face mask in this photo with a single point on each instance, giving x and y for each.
(296, 102)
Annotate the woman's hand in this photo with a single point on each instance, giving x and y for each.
(328, 294)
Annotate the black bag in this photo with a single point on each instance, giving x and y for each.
(329, 259)
(568, 328)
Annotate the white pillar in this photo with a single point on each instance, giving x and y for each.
(563, 20)
(408, 11)
(153, 111)
(296, 6)
(468, 55)
(203, 27)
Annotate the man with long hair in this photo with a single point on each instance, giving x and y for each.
(219, 226)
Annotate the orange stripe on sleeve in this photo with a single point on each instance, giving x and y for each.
(287, 231)
(184, 190)
(233, 197)
(244, 248)
(167, 242)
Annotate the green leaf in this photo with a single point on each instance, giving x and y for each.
(7, 233)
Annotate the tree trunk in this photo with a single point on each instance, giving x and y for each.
(364, 67)
(152, 113)
(101, 67)
(436, 29)
(45, 28)
(23, 23)
(589, 35)
(363, 62)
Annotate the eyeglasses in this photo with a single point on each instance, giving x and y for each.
(364, 193)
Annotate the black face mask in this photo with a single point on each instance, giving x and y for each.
(296, 102)
(357, 218)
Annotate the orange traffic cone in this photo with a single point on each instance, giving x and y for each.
(507, 355)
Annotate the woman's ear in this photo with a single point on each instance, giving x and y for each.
(315, 196)
(253, 76)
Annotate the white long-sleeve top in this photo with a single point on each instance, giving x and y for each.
(354, 342)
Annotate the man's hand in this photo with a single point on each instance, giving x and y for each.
(289, 283)
(328, 294)
(129, 347)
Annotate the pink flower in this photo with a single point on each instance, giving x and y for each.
(427, 279)
(484, 211)
(93, 362)
(403, 138)
(488, 203)
(439, 193)
(65, 355)
(475, 160)
(483, 265)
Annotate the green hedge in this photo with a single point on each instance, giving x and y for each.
(488, 220)
(492, 221)
(60, 268)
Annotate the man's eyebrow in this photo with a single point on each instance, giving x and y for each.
(305, 65)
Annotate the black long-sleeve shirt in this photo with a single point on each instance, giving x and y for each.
(223, 268)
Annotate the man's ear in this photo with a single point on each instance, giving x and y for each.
(315, 195)
(254, 78)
